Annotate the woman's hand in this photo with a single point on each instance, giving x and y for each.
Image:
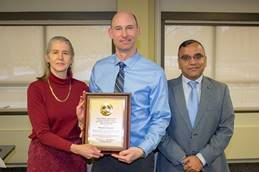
(80, 111)
(86, 150)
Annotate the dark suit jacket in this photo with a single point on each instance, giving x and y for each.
(210, 135)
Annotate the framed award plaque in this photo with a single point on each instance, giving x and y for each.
(107, 121)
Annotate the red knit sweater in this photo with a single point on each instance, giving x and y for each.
(54, 123)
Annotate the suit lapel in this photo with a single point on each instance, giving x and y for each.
(180, 102)
(205, 96)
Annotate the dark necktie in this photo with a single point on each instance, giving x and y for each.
(193, 101)
(119, 83)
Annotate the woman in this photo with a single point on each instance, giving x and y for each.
(52, 108)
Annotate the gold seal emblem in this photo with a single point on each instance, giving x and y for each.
(106, 109)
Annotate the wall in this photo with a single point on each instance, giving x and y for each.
(248, 6)
(145, 13)
(57, 5)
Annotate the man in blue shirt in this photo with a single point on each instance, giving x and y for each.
(145, 80)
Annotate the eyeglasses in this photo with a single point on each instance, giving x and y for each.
(195, 57)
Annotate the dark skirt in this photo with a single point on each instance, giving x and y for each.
(42, 158)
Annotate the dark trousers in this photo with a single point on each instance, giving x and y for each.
(110, 164)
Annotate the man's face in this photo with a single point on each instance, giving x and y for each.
(124, 32)
(192, 61)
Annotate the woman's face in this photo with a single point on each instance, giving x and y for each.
(59, 58)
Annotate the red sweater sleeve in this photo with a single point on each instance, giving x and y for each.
(39, 119)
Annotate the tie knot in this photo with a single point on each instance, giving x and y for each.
(193, 84)
(121, 65)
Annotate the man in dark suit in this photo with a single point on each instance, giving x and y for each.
(202, 118)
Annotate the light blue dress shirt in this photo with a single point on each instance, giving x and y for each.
(146, 81)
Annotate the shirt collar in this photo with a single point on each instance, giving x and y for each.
(186, 80)
(129, 62)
